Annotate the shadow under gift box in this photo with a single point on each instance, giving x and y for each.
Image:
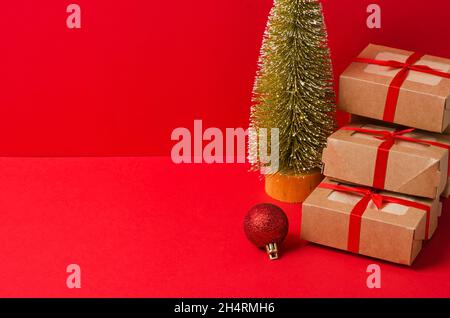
(412, 168)
(423, 100)
(394, 233)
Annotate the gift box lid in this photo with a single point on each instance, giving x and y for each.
(413, 167)
(423, 99)
(416, 81)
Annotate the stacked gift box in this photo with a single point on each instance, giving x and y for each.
(386, 171)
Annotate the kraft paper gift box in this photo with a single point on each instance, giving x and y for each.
(393, 231)
(398, 86)
(446, 193)
(415, 166)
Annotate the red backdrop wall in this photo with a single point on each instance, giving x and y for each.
(137, 69)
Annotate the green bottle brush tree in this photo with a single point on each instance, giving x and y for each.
(293, 92)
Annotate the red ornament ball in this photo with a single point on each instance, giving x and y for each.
(265, 224)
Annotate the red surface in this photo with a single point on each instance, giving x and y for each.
(137, 69)
(142, 226)
(145, 227)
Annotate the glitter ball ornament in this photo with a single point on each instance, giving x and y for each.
(266, 226)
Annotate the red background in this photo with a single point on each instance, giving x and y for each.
(143, 226)
(137, 69)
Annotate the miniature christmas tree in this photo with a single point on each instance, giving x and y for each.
(294, 92)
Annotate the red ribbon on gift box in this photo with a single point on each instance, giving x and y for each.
(354, 227)
(388, 137)
(400, 78)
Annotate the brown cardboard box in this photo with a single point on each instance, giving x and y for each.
(395, 233)
(412, 168)
(424, 99)
(362, 120)
(446, 192)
